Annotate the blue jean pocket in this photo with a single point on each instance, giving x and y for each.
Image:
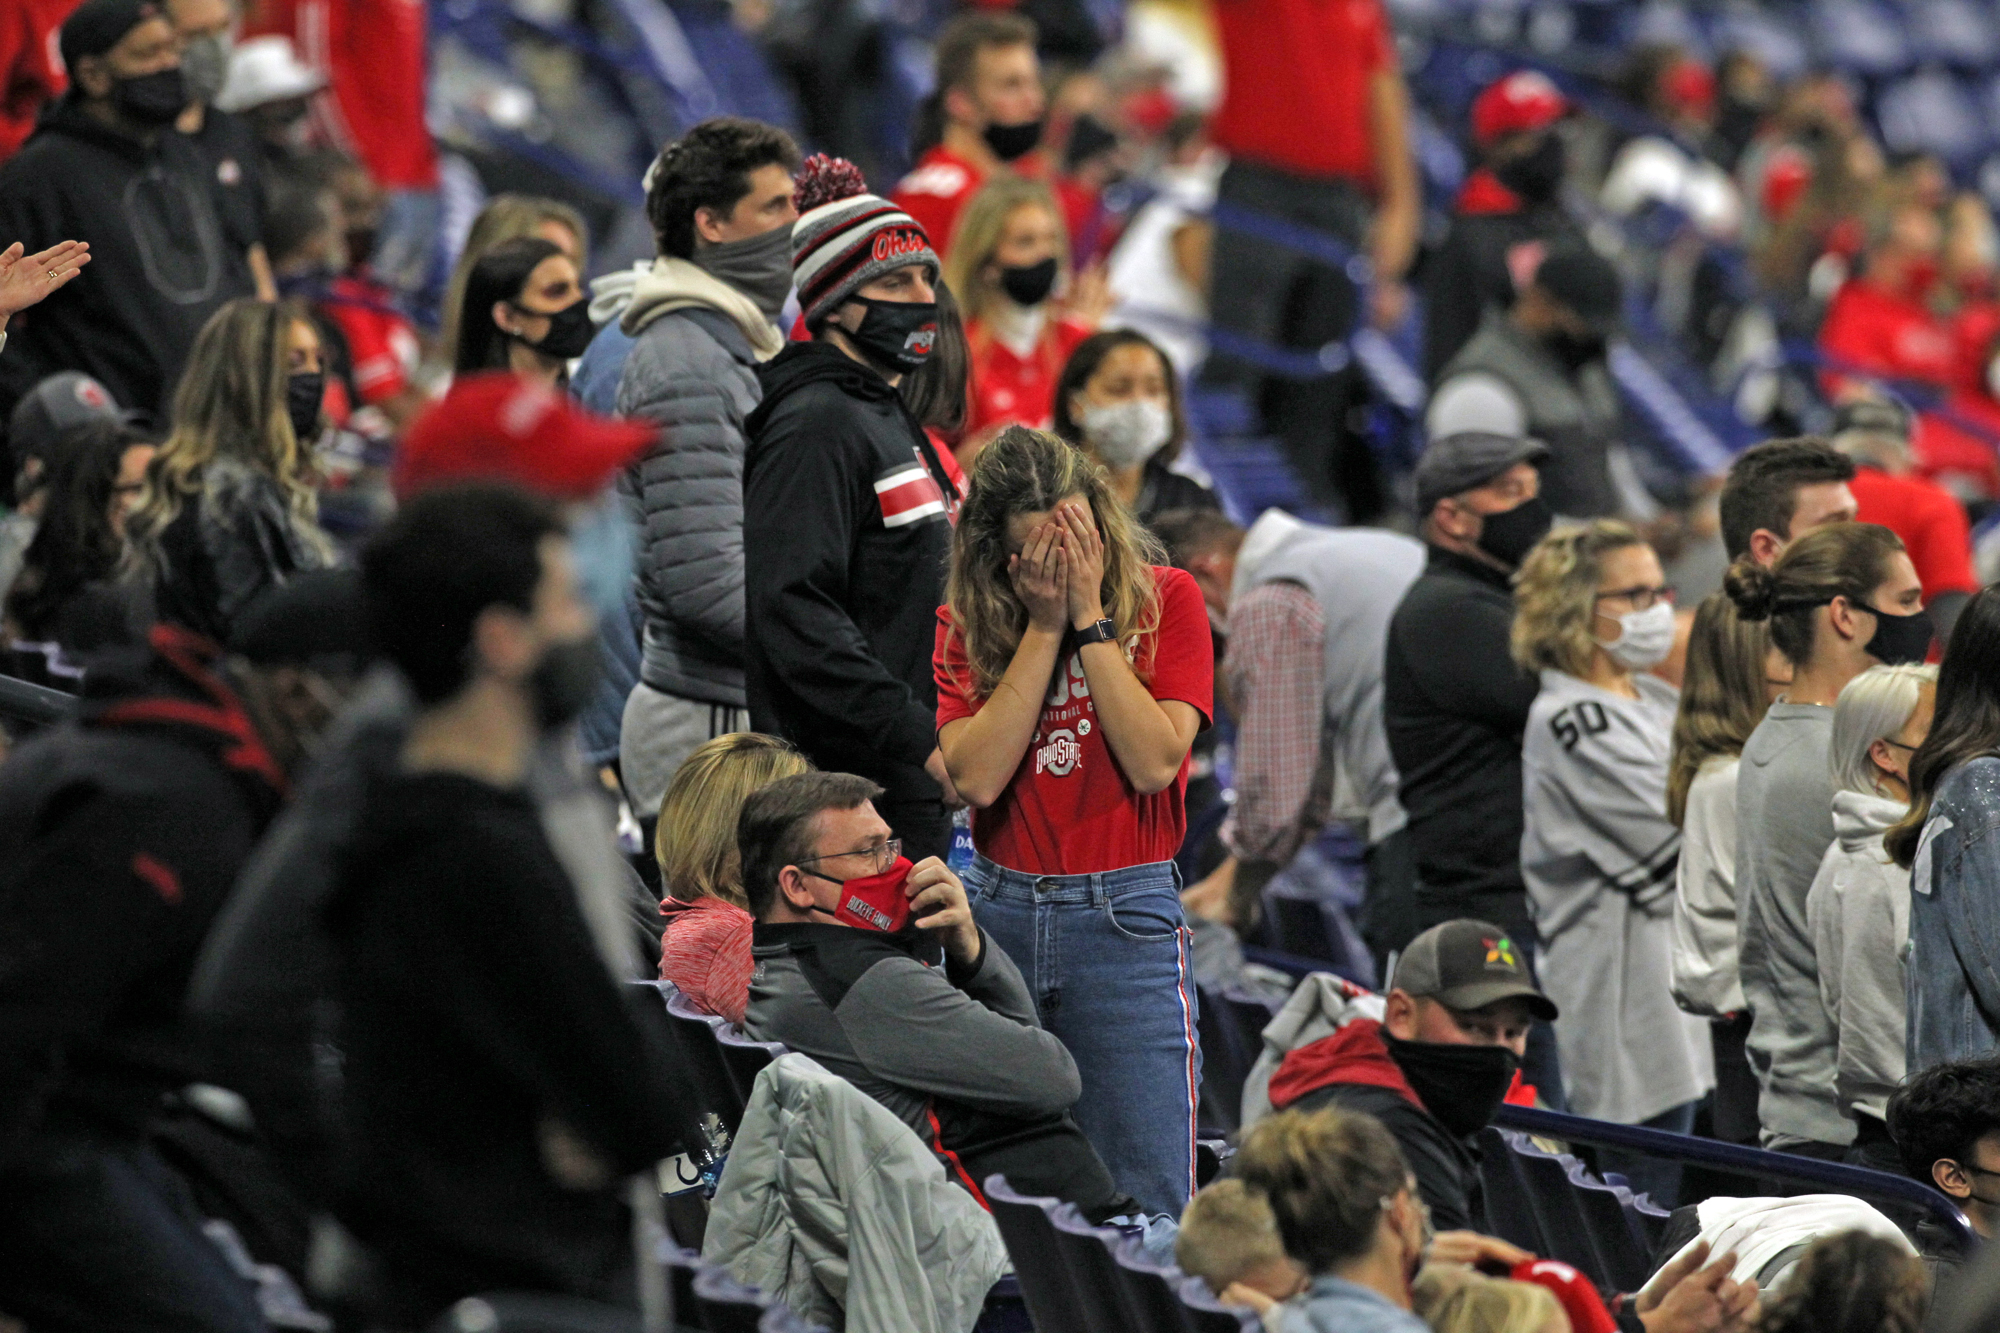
(1151, 917)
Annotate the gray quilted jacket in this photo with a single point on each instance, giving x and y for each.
(693, 370)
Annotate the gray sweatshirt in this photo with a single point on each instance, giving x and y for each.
(1784, 824)
(1859, 913)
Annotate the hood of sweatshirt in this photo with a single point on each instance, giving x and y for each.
(1264, 536)
(801, 364)
(1860, 818)
(678, 284)
(611, 294)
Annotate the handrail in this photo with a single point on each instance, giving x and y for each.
(28, 702)
(1835, 1176)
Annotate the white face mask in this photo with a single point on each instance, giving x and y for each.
(1128, 433)
(1644, 637)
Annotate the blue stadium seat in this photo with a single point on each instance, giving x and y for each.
(1930, 113)
(745, 1057)
(698, 1036)
(1150, 1290)
(1030, 1237)
(726, 1305)
(1859, 37)
(1620, 1255)
(534, 1312)
(1565, 1229)
(1093, 1273)
(1952, 32)
(1509, 1214)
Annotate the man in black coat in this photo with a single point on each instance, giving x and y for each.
(121, 833)
(846, 514)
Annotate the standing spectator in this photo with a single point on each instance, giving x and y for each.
(1945, 1120)
(1858, 908)
(525, 312)
(703, 319)
(1733, 673)
(845, 528)
(1538, 369)
(1597, 849)
(1157, 273)
(1780, 490)
(988, 111)
(1074, 757)
(229, 507)
(1453, 702)
(506, 217)
(1929, 518)
(1307, 610)
(272, 92)
(1953, 777)
(705, 948)
(373, 56)
(228, 145)
(106, 158)
(1119, 401)
(41, 422)
(1509, 205)
(1008, 262)
(1319, 138)
(476, 1006)
(121, 832)
(30, 75)
(1840, 599)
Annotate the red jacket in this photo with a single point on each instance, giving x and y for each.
(1007, 389)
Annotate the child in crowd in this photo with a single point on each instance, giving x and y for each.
(705, 949)
(1229, 1239)
(1072, 674)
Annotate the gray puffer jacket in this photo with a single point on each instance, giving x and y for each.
(693, 370)
(832, 1205)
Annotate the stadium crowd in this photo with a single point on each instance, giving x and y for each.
(438, 677)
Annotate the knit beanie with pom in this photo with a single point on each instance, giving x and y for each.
(846, 237)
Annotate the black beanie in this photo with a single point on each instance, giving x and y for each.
(99, 25)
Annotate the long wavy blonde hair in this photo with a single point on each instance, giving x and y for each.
(1555, 594)
(1030, 472)
(231, 404)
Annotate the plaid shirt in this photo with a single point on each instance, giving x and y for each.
(1275, 673)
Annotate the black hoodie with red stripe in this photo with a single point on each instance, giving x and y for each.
(121, 832)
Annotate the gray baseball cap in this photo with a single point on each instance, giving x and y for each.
(1454, 464)
(1469, 964)
(59, 403)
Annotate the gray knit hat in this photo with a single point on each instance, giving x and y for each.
(845, 237)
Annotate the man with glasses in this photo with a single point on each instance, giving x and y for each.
(932, 1019)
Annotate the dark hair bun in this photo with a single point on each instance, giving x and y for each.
(1752, 587)
(823, 180)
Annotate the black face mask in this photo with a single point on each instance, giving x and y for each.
(1461, 1086)
(570, 330)
(1509, 536)
(1537, 175)
(565, 680)
(304, 393)
(151, 99)
(1011, 141)
(1575, 351)
(1029, 284)
(1899, 640)
(897, 334)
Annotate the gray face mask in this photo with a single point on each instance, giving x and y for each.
(758, 266)
(205, 67)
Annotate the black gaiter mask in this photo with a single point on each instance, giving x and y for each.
(1461, 1086)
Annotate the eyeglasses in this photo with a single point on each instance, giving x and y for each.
(1641, 597)
(882, 856)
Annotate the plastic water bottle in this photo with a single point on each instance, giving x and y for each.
(960, 857)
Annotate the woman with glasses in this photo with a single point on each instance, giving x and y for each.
(1592, 615)
(1840, 599)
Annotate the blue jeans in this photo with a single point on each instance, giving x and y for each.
(1106, 958)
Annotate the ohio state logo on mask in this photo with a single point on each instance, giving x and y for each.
(922, 341)
(1059, 755)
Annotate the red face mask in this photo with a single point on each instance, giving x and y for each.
(875, 902)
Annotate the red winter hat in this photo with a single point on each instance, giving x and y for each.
(1524, 100)
(1689, 87)
(496, 426)
(1573, 1292)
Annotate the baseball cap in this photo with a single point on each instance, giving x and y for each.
(263, 70)
(1585, 282)
(1871, 416)
(96, 26)
(62, 402)
(498, 427)
(1469, 964)
(1524, 100)
(1454, 464)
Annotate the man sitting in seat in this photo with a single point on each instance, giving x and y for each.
(1435, 1069)
(1946, 1123)
(930, 1018)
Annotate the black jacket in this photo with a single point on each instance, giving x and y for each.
(1446, 1168)
(120, 834)
(1455, 705)
(476, 1010)
(162, 259)
(845, 537)
(1467, 274)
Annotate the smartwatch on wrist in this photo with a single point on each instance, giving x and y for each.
(1104, 631)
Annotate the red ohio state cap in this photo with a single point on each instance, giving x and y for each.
(498, 427)
(1573, 1291)
(1524, 100)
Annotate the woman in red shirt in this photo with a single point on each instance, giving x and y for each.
(1008, 266)
(1073, 674)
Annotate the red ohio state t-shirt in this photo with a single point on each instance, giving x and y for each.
(1070, 809)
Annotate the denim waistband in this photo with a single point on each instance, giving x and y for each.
(1096, 887)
